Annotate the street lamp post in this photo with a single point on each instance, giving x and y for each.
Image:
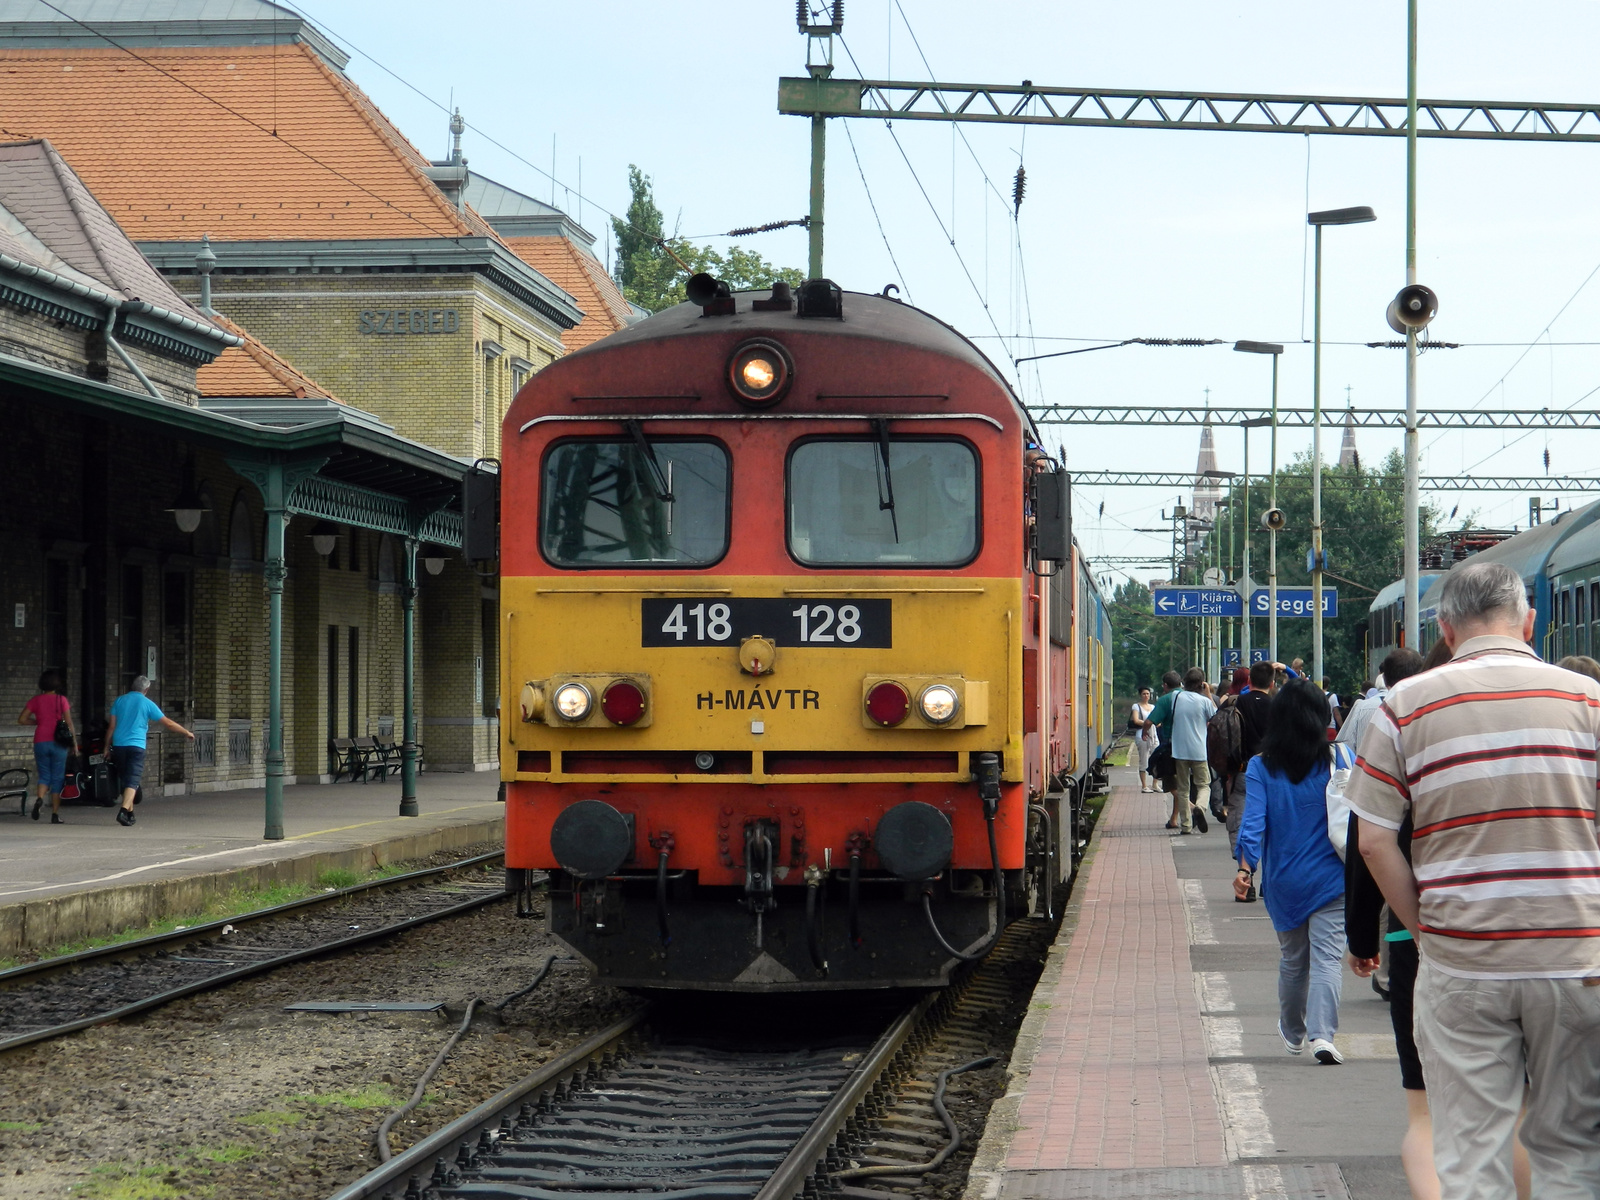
(1333, 216)
(1244, 565)
(1275, 350)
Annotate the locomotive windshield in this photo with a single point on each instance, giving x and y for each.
(894, 501)
(606, 504)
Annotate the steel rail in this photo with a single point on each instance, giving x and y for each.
(791, 1175)
(197, 933)
(442, 1142)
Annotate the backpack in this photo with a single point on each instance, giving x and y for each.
(1225, 737)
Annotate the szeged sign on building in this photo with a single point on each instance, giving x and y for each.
(409, 320)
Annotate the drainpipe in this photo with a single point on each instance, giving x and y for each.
(114, 307)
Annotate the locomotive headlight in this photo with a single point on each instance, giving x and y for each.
(573, 701)
(760, 372)
(938, 704)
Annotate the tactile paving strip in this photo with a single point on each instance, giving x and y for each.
(1274, 1181)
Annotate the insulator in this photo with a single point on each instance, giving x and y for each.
(1019, 187)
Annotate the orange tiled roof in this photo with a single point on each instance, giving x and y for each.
(253, 370)
(582, 276)
(170, 162)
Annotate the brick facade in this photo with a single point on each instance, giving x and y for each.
(443, 385)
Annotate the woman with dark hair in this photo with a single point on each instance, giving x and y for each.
(50, 714)
(1285, 830)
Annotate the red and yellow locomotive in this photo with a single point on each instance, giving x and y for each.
(775, 716)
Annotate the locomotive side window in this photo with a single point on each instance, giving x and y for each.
(605, 503)
(893, 501)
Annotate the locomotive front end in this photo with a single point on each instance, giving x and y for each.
(763, 640)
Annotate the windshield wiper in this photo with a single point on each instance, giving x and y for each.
(882, 427)
(660, 482)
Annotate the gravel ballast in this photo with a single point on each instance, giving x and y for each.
(226, 1095)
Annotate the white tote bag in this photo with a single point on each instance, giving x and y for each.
(1344, 761)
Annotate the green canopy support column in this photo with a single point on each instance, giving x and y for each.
(276, 480)
(408, 621)
(275, 573)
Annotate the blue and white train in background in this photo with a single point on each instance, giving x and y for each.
(1559, 562)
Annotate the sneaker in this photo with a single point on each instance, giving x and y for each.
(1250, 894)
(55, 819)
(125, 816)
(1326, 1052)
(1382, 991)
(37, 805)
(1291, 1047)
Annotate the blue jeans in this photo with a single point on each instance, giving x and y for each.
(1311, 974)
(51, 761)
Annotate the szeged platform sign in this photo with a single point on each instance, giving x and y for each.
(1226, 602)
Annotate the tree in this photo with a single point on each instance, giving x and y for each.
(652, 278)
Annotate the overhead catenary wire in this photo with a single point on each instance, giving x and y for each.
(872, 204)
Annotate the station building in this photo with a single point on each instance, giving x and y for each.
(172, 482)
(229, 145)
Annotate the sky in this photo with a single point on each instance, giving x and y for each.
(1122, 233)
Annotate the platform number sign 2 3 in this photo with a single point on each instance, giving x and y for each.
(788, 621)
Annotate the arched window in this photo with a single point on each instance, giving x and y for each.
(386, 559)
(241, 539)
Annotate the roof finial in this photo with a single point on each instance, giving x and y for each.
(204, 261)
(457, 128)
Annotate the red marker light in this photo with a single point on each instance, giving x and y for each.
(888, 703)
(623, 702)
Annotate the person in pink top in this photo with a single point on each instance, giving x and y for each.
(45, 712)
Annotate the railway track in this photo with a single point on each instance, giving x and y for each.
(58, 996)
(673, 1104)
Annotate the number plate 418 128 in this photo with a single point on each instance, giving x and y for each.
(788, 621)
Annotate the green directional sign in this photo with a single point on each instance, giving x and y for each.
(828, 97)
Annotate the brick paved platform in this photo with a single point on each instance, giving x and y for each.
(1149, 1063)
(91, 876)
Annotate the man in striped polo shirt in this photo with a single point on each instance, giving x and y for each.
(1494, 757)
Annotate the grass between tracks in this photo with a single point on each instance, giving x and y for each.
(230, 904)
(161, 1181)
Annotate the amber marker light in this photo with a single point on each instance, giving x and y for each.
(760, 372)
(573, 701)
(888, 703)
(622, 702)
(938, 703)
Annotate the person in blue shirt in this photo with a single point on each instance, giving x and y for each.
(1285, 830)
(132, 714)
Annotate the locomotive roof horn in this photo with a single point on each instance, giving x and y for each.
(711, 294)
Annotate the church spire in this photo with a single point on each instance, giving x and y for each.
(1206, 489)
(1348, 457)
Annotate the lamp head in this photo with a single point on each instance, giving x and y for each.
(1258, 347)
(1359, 215)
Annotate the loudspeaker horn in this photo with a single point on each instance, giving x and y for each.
(1273, 518)
(1412, 308)
(702, 289)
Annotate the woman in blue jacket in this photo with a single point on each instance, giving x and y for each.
(1286, 834)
